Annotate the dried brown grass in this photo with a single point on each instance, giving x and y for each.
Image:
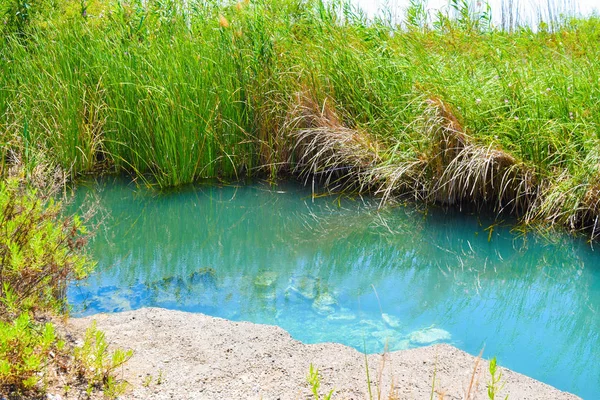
(338, 157)
(467, 172)
(454, 171)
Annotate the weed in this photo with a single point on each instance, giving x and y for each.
(433, 379)
(147, 381)
(41, 252)
(25, 349)
(494, 385)
(97, 365)
(474, 381)
(314, 381)
(370, 390)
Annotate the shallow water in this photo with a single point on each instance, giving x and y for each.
(339, 270)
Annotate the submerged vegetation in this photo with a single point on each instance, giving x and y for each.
(444, 109)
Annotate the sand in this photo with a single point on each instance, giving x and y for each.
(179, 355)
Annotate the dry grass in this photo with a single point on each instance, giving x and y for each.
(325, 150)
(454, 170)
(466, 172)
(471, 387)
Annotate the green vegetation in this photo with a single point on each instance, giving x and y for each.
(25, 347)
(444, 109)
(495, 385)
(314, 380)
(97, 365)
(40, 253)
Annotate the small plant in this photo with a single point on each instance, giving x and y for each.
(433, 380)
(97, 365)
(159, 379)
(416, 15)
(25, 348)
(314, 381)
(147, 381)
(494, 386)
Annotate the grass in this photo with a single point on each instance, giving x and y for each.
(495, 385)
(444, 108)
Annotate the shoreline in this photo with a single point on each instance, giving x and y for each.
(181, 355)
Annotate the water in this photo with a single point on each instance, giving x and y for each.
(339, 270)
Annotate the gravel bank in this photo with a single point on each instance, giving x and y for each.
(201, 357)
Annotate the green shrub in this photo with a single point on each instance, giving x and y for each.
(25, 347)
(97, 365)
(40, 252)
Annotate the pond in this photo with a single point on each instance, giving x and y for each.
(331, 269)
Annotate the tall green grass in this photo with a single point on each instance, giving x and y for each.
(183, 91)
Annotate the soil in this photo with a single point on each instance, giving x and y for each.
(179, 355)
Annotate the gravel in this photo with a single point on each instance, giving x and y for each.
(179, 355)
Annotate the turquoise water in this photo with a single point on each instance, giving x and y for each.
(339, 270)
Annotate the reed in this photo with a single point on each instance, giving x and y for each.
(445, 108)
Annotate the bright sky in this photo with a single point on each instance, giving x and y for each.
(529, 7)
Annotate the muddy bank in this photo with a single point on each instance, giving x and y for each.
(182, 355)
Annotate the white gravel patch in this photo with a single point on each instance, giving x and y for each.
(201, 357)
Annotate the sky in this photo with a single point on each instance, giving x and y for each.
(529, 7)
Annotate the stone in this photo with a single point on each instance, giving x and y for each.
(205, 276)
(324, 304)
(305, 286)
(344, 314)
(391, 339)
(390, 320)
(265, 279)
(115, 303)
(385, 334)
(428, 336)
(372, 325)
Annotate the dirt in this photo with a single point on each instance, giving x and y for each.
(180, 355)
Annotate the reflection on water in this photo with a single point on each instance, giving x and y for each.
(340, 270)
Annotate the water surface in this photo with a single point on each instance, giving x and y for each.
(340, 270)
